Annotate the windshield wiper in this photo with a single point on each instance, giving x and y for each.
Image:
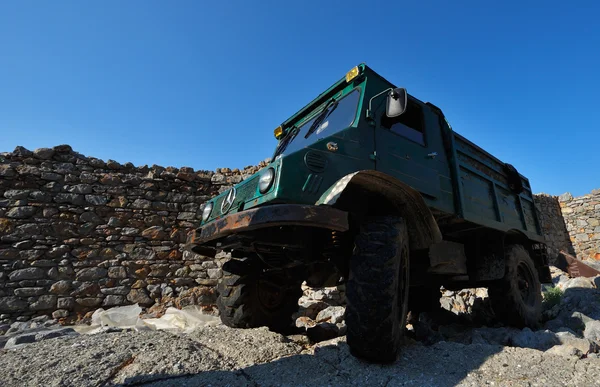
(324, 114)
(292, 132)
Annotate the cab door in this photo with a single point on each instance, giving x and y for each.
(410, 148)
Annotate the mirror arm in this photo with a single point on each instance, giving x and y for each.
(370, 113)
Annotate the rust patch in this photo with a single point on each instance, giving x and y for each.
(272, 216)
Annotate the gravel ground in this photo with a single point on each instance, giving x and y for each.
(256, 357)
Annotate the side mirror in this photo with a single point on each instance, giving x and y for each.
(396, 102)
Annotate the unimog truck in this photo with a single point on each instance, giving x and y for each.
(371, 187)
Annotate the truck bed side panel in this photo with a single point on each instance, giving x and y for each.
(487, 198)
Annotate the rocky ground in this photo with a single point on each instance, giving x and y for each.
(459, 347)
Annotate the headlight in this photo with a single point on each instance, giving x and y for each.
(266, 180)
(206, 212)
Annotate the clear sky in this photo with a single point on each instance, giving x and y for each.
(203, 84)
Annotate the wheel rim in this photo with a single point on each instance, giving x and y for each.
(269, 296)
(525, 283)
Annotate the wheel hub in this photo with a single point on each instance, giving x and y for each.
(269, 296)
(525, 283)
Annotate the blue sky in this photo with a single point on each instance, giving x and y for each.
(203, 84)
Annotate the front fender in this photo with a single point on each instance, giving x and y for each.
(398, 197)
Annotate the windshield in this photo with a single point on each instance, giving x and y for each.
(339, 115)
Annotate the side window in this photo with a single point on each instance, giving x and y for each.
(409, 125)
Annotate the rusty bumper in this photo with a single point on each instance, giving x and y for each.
(270, 216)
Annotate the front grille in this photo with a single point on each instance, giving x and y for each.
(245, 191)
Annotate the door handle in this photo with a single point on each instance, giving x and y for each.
(432, 155)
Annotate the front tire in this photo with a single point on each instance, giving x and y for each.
(517, 298)
(377, 289)
(253, 300)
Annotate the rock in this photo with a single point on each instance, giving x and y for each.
(578, 282)
(43, 153)
(142, 204)
(129, 231)
(49, 212)
(21, 151)
(91, 273)
(69, 198)
(568, 338)
(90, 217)
(302, 340)
(17, 341)
(332, 314)
(80, 189)
(214, 273)
(540, 340)
(139, 296)
(8, 253)
(566, 351)
(4, 328)
(67, 303)
(108, 179)
(16, 194)
(64, 149)
(96, 200)
(52, 176)
(7, 171)
(118, 290)
(114, 222)
(112, 164)
(25, 274)
(154, 233)
(592, 331)
(60, 313)
(44, 303)
(60, 287)
(322, 332)
(305, 322)
(12, 304)
(142, 253)
(44, 263)
(565, 197)
(89, 301)
(22, 212)
(86, 289)
(108, 253)
(39, 196)
(186, 216)
(112, 300)
(55, 333)
(117, 272)
(29, 292)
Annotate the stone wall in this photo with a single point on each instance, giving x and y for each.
(78, 233)
(553, 226)
(582, 218)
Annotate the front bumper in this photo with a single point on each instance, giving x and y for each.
(205, 238)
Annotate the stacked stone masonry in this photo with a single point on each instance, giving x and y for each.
(78, 233)
(582, 218)
(555, 231)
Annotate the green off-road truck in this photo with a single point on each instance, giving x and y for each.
(371, 187)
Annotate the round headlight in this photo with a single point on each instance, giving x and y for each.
(206, 211)
(266, 180)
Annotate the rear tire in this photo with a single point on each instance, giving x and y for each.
(251, 300)
(517, 298)
(377, 289)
